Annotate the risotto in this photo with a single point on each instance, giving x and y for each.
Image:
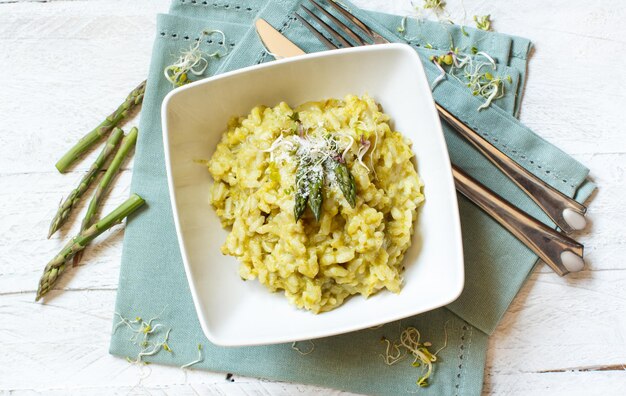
(320, 199)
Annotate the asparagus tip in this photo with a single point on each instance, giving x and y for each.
(52, 230)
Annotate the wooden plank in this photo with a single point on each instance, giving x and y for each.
(549, 384)
(89, 53)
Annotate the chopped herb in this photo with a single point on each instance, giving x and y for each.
(429, 46)
(474, 50)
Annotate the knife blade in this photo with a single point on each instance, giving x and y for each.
(274, 41)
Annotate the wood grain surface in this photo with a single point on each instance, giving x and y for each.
(64, 64)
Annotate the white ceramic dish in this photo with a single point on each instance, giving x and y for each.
(235, 313)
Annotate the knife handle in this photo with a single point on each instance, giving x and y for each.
(564, 211)
(560, 252)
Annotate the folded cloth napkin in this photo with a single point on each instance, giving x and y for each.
(152, 278)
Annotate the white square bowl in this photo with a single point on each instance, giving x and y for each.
(237, 313)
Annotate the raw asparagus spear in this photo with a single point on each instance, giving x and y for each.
(66, 207)
(133, 99)
(55, 268)
(127, 144)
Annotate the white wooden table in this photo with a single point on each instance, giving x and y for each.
(64, 64)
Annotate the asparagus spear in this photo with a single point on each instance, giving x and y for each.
(302, 187)
(133, 99)
(346, 182)
(67, 205)
(55, 268)
(315, 195)
(127, 144)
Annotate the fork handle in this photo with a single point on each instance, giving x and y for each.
(560, 252)
(564, 211)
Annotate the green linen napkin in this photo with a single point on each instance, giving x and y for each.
(152, 278)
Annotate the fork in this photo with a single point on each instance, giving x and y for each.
(560, 252)
(566, 213)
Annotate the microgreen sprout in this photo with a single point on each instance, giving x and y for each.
(481, 83)
(442, 73)
(483, 22)
(194, 61)
(143, 334)
(410, 344)
(372, 153)
(294, 346)
(410, 339)
(364, 146)
(486, 55)
(156, 347)
(436, 5)
(198, 360)
(445, 339)
(402, 28)
(393, 354)
(149, 348)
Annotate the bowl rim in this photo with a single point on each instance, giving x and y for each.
(456, 289)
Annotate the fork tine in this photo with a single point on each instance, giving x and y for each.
(326, 27)
(317, 34)
(340, 24)
(360, 24)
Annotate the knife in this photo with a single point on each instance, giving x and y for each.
(273, 40)
(562, 253)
